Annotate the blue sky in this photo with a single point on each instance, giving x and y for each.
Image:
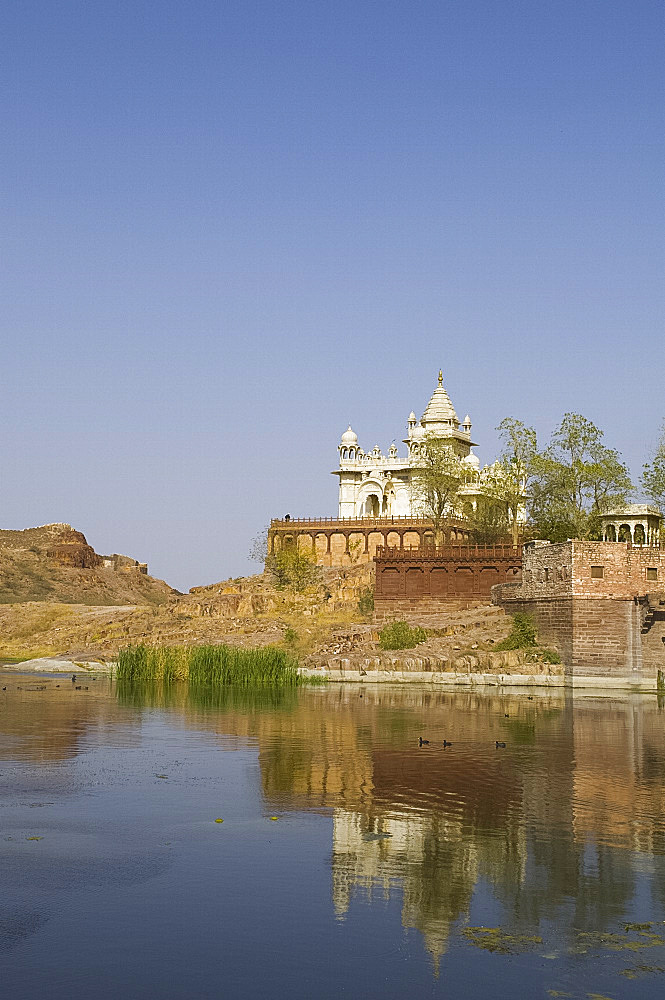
(230, 228)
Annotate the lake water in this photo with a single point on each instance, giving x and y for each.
(350, 861)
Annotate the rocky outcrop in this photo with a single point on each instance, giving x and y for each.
(55, 563)
(71, 549)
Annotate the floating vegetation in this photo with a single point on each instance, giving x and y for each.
(209, 666)
(638, 971)
(496, 940)
(618, 942)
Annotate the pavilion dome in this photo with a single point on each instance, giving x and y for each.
(472, 460)
(349, 437)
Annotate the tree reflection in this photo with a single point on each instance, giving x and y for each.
(554, 824)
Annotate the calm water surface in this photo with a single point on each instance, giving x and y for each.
(390, 870)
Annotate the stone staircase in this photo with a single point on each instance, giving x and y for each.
(653, 633)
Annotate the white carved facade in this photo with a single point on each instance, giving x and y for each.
(375, 485)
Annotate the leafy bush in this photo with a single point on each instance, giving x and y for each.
(366, 602)
(400, 635)
(290, 636)
(522, 634)
(292, 570)
(550, 656)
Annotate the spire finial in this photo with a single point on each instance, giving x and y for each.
(440, 377)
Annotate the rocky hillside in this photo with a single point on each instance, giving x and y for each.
(247, 611)
(55, 563)
(322, 625)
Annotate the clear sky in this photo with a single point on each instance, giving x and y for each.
(230, 227)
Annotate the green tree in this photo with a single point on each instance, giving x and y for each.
(653, 474)
(509, 479)
(488, 523)
(436, 483)
(258, 547)
(292, 569)
(575, 480)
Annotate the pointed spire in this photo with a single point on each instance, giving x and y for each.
(440, 376)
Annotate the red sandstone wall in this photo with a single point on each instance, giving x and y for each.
(391, 608)
(455, 572)
(347, 541)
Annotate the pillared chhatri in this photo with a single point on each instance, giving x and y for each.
(375, 485)
(378, 502)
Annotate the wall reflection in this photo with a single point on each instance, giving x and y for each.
(561, 824)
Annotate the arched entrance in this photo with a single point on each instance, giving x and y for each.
(372, 506)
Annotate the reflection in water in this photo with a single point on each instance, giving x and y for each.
(565, 826)
(555, 823)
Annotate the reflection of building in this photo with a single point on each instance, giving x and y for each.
(549, 826)
(404, 851)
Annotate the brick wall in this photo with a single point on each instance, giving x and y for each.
(565, 569)
(593, 616)
(391, 608)
(449, 573)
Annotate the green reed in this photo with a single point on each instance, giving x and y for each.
(209, 665)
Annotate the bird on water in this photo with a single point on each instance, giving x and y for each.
(446, 743)
(422, 742)
(499, 744)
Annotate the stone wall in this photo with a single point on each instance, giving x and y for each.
(591, 569)
(429, 581)
(350, 541)
(595, 602)
(390, 609)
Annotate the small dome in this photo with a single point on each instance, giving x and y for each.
(467, 420)
(349, 437)
(472, 460)
(412, 417)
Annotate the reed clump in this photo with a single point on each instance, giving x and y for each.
(211, 666)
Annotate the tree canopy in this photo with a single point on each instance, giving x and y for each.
(653, 474)
(575, 480)
(436, 482)
(505, 485)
